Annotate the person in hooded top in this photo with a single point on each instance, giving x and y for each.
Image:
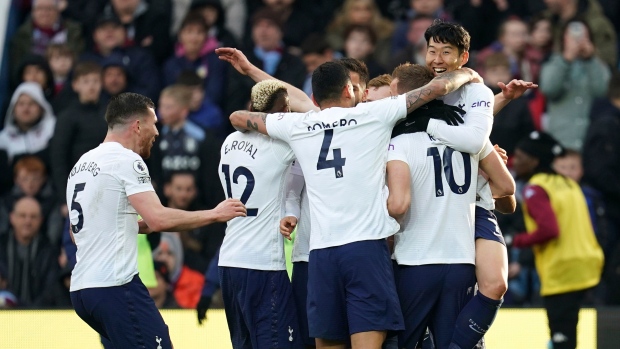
(28, 124)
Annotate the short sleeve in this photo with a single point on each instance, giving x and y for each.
(397, 150)
(134, 175)
(391, 109)
(486, 150)
(280, 125)
(282, 151)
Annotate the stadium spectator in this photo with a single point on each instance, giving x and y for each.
(195, 51)
(296, 23)
(34, 68)
(571, 80)
(31, 180)
(44, 28)
(415, 49)
(213, 13)
(514, 121)
(511, 41)
(560, 232)
(146, 25)
(80, 127)
(30, 261)
(362, 12)
(61, 59)
(425, 8)
(199, 245)
(270, 55)
(29, 123)
(202, 110)
(7, 298)
(6, 178)
(186, 283)
(140, 67)
(314, 51)
(482, 18)
(161, 294)
(601, 160)
(184, 146)
(114, 79)
(601, 31)
(359, 43)
(539, 44)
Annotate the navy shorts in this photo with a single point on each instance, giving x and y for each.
(125, 315)
(432, 296)
(487, 227)
(351, 289)
(260, 310)
(299, 281)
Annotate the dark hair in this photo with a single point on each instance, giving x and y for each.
(411, 76)
(126, 106)
(450, 33)
(365, 29)
(170, 175)
(63, 50)
(328, 80)
(314, 43)
(85, 68)
(268, 14)
(356, 66)
(190, 78)
(614, 86)
(194, 18)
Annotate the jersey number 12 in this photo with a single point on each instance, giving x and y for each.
(249, 185)
(448, 171)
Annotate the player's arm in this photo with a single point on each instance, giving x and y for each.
(439, 86)
(506, 205)
(399, 185)
(514, 89)
(501, 182)
(160, 218)
(298, 100)
(249, 121)
(292, 206)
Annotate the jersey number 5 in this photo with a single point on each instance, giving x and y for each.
(337, 162)
(77, 207)
(448, 171)
(249, 185)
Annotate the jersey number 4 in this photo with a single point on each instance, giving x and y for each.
(448, 171)
(249, 185)
(77, 207)
(337, 162)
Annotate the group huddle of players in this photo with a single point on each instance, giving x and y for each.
(349, 169)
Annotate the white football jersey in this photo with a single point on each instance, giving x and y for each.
(342, 154)
(103, 222)
(439, 226)
(301, 245)
(477, 101)
(253, 169)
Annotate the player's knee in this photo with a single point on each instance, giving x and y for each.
(494, 289)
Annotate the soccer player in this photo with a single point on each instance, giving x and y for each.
(378, 88)
(107, 189)
(433, 191)
(341, 149)
(255, 286)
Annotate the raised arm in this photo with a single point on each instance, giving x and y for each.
(298, 100)
(439, 86)
(160, 218)
(514, 89)
(249, 121)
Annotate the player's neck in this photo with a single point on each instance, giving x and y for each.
(333, 104)
(124, 139)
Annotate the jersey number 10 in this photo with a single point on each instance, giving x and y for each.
(448, 171)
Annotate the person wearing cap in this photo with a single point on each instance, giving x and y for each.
(267, 52)
(109, 49)
(44, 28)
(568, 258)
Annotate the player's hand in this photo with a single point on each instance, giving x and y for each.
(502, 153)
(236, 58)
(143, 228)
(287, 225)
(229, 209)
(515, 88)
(202, 307)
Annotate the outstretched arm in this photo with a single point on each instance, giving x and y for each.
(299, 101)
(249, 121)
(514, 89)
(439, 86)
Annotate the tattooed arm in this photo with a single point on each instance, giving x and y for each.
(249, 121)
(439, 86)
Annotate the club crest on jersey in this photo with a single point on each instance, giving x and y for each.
(140, 167)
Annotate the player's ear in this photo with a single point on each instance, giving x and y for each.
(464, 58)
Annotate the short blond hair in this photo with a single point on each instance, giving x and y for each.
(180, 93)
(265, 93)
(380, 81)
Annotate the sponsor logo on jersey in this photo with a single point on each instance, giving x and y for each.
(140, 167)
(481, 104)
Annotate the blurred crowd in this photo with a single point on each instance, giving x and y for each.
(64, 59)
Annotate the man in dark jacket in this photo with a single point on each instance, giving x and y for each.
(30, 261)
